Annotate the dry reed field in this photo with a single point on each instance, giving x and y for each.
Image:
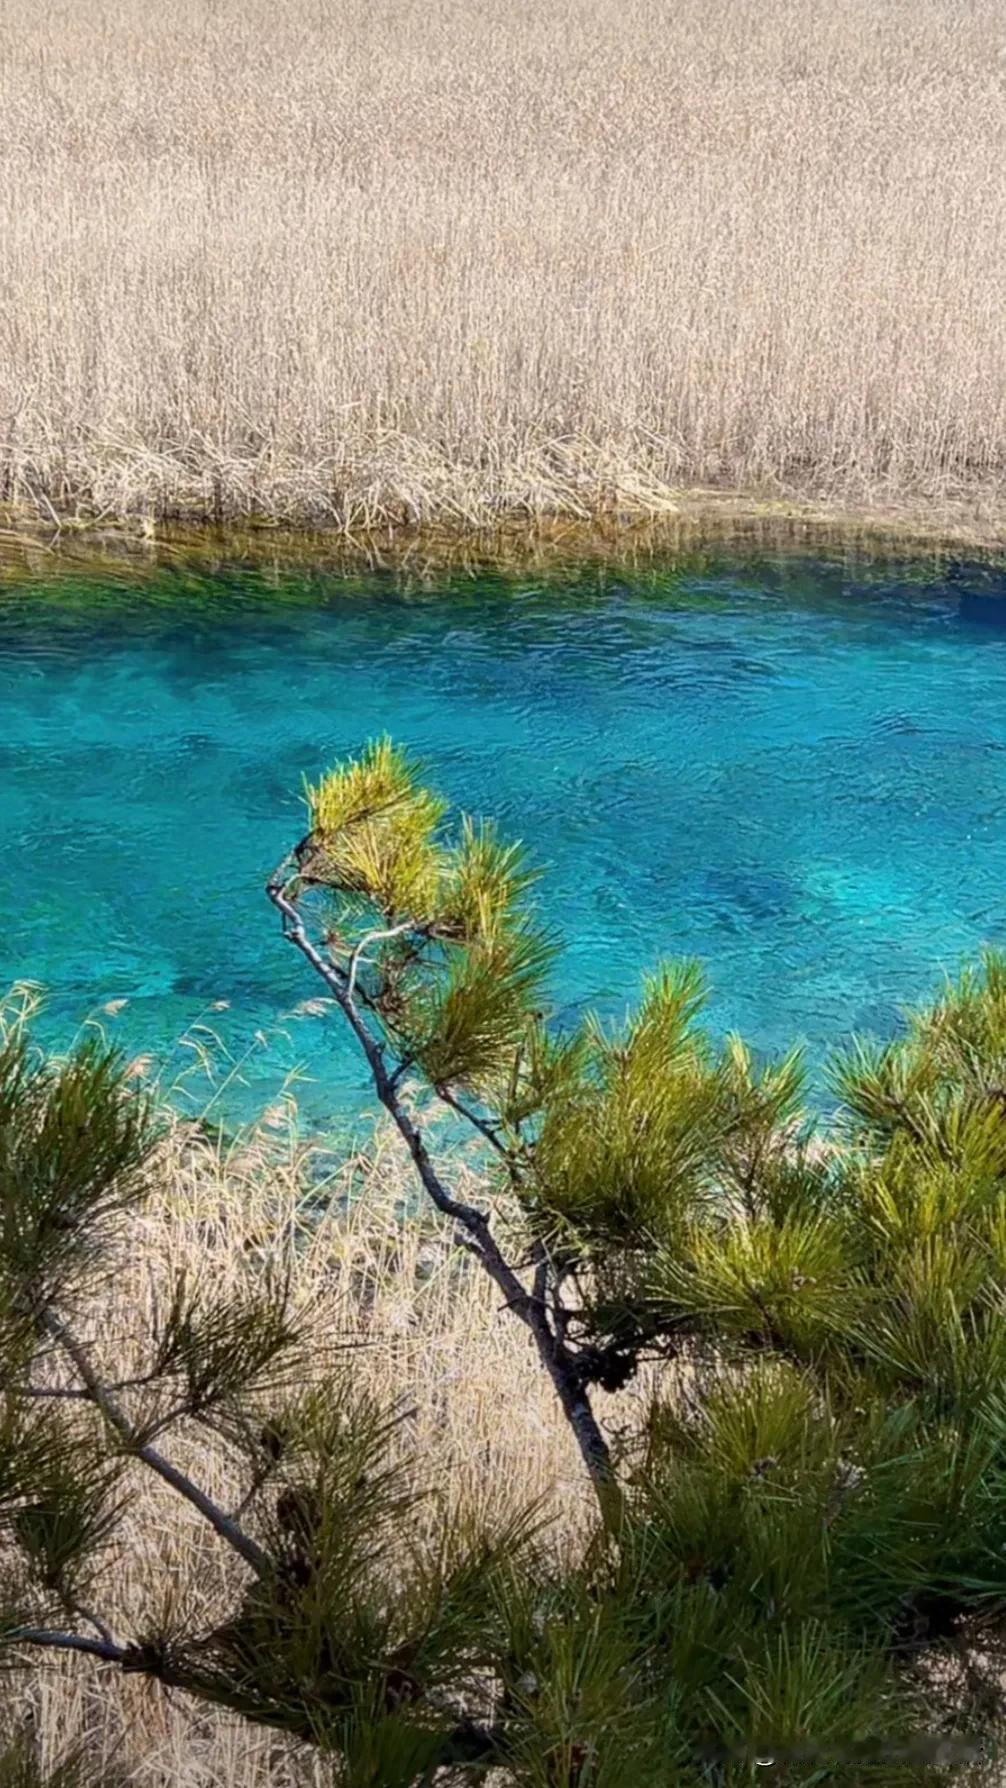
(351, 261)
(420, 1328)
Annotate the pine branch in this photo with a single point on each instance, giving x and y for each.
(467, 1743)
(222, 1524)
(558, 1361)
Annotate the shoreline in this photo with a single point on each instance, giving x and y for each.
(33, 542)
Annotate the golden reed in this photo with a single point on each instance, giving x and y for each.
(361, 261)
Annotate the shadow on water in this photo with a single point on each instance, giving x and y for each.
(981, 595)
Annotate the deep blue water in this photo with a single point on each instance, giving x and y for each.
(793, 770)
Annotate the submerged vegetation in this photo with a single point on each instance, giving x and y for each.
(663, 1442)
(397, 263)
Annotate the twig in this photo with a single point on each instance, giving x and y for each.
(93, 1620)
(138, 1659)
(372, 937)
(106, 1649)
(78, 1394)
(478, 1123)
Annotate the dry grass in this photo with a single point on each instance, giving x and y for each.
(354, 260)
(424, 1326)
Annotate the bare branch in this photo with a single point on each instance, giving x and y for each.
(138, 1659)
(558, 1361)
(475, 1220)
(106, 1649)
(222, 1524)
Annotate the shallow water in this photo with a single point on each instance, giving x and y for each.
(793, 770)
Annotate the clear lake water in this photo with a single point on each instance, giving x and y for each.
(791, 768)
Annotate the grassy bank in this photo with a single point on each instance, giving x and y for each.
(907, 542)
(394, 264)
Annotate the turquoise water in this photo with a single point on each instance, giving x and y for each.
(793, 770)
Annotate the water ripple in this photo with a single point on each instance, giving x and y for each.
(795, 773)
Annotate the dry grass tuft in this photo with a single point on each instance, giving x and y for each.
(376, 260)
(378, 1277)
